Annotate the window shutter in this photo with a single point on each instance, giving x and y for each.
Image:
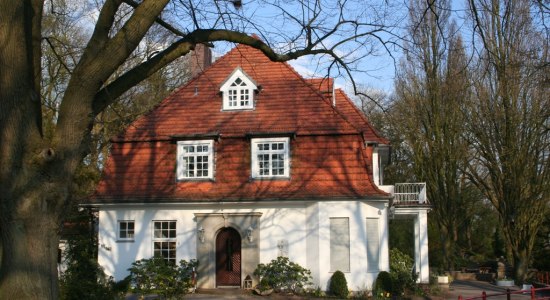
(373, 245)
(339, 244)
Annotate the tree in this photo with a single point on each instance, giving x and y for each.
(429, 90)
(36, 168)
(508, 120)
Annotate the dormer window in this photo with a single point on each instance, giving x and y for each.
(238, 91)
(195, 160)
(270, 158)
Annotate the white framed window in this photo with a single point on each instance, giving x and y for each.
(270, 157)
(339, 245)
(195, 160)
(238, 91)
(126, 230)
(164, 240)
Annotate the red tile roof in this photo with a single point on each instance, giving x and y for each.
(328, 156)
(351, 113)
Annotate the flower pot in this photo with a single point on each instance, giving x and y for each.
(264, 292)
(443, 279)
(506, 282)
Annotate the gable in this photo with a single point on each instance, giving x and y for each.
(285, 103)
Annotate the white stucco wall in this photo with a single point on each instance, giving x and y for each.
(305, 226)
(117, 256)
(358, 278)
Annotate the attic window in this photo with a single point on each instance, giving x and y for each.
(238, 91)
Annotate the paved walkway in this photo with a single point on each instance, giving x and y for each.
(471, 289)
(466, 289)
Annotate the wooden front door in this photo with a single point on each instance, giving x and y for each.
(228, 258)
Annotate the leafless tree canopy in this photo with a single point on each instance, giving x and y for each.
(65, 64)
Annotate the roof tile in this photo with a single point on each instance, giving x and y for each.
(328, 157)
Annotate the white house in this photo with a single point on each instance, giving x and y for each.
(246, 162)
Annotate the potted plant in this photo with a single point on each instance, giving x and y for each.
(263, 289)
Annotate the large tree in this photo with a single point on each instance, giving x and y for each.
(509, 119)
(36, 169)
(430, 87)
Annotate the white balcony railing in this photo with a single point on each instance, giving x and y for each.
(410, 193)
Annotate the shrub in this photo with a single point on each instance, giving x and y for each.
(316, 292)
(264, 285)
(401, 272)
(283, 275)
(85, 280)
(338, 285)
(382, 286)
(157, 276)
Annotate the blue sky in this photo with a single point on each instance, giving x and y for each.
(378, 68)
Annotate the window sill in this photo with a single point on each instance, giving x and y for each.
(194, 179)
(238, 109)
(126, 241)
(285, 178)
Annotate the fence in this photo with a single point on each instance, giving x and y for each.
(543, 277)
(532, 292)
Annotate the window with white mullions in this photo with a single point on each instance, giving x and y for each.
(239, 94)
(164, 240)
(270, 158)
(195, 159)
(238, 91)
(126, 230)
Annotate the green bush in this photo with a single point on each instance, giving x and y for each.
(85, 280)
(157, 276)
(283, 275)
(383, 286)
(401, 272)
(338, 285)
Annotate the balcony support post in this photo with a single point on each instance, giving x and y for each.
(421, 246)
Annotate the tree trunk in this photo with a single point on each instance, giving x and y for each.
(29, 267)
(31, 190)
(521, 264)
(447, 244)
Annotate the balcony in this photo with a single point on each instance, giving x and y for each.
(407, 194)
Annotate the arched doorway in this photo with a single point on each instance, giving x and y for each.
(228, 258)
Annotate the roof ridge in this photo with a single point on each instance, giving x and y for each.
(306, 83)
(245, 55)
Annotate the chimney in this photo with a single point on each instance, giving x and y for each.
(201, 58)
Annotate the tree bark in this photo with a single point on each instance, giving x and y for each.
(28, 218)
(448, 248)
(29, 267)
